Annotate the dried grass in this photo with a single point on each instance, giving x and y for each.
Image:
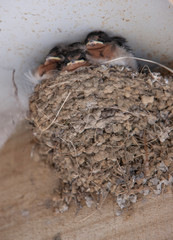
(143, 60)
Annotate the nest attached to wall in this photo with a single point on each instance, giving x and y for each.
(106, 130)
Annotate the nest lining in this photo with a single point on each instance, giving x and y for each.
(106, 130)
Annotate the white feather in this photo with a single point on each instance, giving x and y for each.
(33, 77)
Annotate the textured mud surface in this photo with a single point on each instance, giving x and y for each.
(105, 131)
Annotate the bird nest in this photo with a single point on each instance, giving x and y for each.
(106, 130)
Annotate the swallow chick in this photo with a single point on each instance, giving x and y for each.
(101, 48)
(96, 38)
(59, 56)
(51, 65)
(75, 59)
(56, 54)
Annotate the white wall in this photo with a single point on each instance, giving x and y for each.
(29, 28)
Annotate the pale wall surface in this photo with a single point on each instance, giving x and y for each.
(29, 28)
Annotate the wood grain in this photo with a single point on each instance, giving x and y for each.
(26, 190)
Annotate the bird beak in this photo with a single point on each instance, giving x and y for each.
(93, 43)
(75, 62)
(53, 58)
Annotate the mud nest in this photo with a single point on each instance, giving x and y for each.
(106, 130)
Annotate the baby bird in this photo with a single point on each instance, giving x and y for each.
(96, 37)
(56, 54)
(51, 65)
(75, 59)
(63, 58)
(101, 48)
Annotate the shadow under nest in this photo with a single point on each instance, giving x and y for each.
(106, 130)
